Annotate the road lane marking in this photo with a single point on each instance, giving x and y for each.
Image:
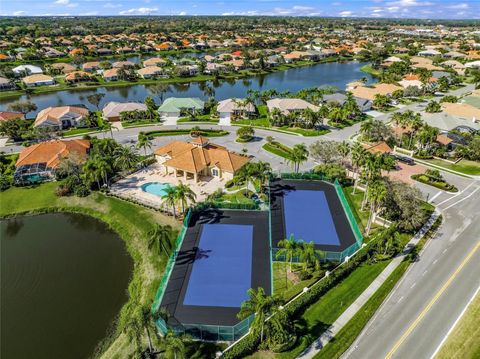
(435, 261)
(456, 195)
(445, 250)
(455, 323)
(463, 199)
(424, 273)
(434, 197)
(413, 285)
(432, 302)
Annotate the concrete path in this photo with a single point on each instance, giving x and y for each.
(350, 312)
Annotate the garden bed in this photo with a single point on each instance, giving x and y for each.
(278, 149)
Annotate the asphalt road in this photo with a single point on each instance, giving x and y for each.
(418, 314)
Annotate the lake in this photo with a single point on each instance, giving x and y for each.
(336, 74)
(64, 279)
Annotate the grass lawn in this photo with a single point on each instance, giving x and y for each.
(355, 202)
(278, 149)
(304, 131)
(286, 288)
(139, 123)
(464, 341)
(368, 69)
(131, 222)
(344, 339)
(324, 312)
(261, 122)
(79, 131)
(203, 132)
(237, 197)
(464, 166)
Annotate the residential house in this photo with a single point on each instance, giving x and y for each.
(91, 66)
(11, 115)
(150, 72)
(462, 110)
(429, 53)
(78, 76)
(112, 110)
(50, 52)
(110, 74)
(214, 68)
(289, 105)
(447, 122)
(473, 64)
(27, 69)
(340, 98)
(122, 64)
(6, 84)
(174, 107)
(63, 68)
(154, 61)
(61, 117)
(369, 93)
(38, 162)
(38, 80)
(236, 108)
(378, 147)
(199, 158)
(454, 55)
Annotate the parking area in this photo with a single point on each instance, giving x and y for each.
(404, 171)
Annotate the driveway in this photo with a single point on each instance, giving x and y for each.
(403, 172)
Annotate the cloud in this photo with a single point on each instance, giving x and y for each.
(19, 13)
(409, 3)
(458, 6)
(91, 13)
(182, 13)
(66, 3)
(346, 14)
(297, 10)
(139, 11)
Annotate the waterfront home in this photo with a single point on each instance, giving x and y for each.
(6, 84)
(38, 162)
(150, 72)
(235, 108)
(91, 66)
(38, 80)
(78, 76)
(199, 158)
(27, 70)
(50, 52)
(110, 74)
(289, 105)
(473, 64)
(429, 53)
(214, 68)
(122, 64)
(456, 65)
(369, 93)
(62, 67)
(340, 98)
(447, 122)
(11, 115)
(61, 117)
(154, 61)
(174, 107)
(112, 110)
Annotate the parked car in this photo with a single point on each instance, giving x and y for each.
(409, 161)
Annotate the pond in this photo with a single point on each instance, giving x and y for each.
(64, 279)
(334, 74)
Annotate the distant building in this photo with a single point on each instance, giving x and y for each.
(288, 105)
(235, 108)
(178, 106)
(113, 110)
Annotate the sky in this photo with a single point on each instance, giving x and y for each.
(432, 9)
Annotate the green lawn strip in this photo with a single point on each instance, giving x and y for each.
(319, 316)
(79, 131)
(368, 69)
(130, 221)
(464, 341)
(237, 197)
(203, 132)
(437, 184)
(304, 131)
(278, 149)
(464, 166)
(140, 123)
(347, 335)
(286, 288)
(355, 203)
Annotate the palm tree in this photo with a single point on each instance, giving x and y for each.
(90, 173)
(174, 347)
(357, 155)
(344, 150)
(376, 194)
(259, 304)
(95, 99)
(107, 126)
(298, 156)
(371, 171)
(125, 158)
(171, 198)
(290, 248)
(144, 142)
(308, 255)
(415, 124)
(147, 321)
(159, 236)
(184, 194)
(104, 168)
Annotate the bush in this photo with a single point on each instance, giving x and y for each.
(229, 184)
(5, 182)
(81, 190)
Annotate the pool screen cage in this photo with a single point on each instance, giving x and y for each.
(327, 255)
(32, 173)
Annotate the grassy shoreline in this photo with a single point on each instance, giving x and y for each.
(131, 222)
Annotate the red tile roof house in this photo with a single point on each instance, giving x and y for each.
(10, 115)
(38, 80)
(38, 162)
(61, 117)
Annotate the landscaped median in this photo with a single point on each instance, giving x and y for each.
(132, 223)
(278, 149)
(188, 131)
(435, 179)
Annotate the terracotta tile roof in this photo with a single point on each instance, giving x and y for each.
(10, 115)
(55, 114)
(78, 75)
(37, 78)
(461, 110)
(380, 147)
(443, 139)
(199, 154)
(52, 151)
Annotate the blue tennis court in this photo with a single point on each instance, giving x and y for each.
(308, 217)
(222, 270)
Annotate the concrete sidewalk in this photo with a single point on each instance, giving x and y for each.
(348, 314)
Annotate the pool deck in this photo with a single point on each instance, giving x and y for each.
(131, 186)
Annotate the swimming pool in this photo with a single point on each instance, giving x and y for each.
(156, 188)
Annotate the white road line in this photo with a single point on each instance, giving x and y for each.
(424, 273)
(435, 261)
(444, 250)
(401, 298)
(456, 195)
(455, 323)
(463, 199)
(438, 194)
(413, 285)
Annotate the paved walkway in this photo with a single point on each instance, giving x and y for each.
(348, 314)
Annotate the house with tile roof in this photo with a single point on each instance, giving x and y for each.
(61, 117)
(11, 115)
(288, 105)
(199, 158)
(38, 80)
(112, 110)
(175, 107)
(38, 162)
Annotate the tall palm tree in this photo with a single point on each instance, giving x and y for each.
(125, 158)
(357, 154)
(107, 126)
(90, 173)
(104, 168)
(174, 347)
(371, 171)
(259, 304)
(308, 255)
(290, 248)
(344, 150)
(184, 194)
(298, 156)
(144, 142)
(159, 236)
(376, 194)
(171, 198)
